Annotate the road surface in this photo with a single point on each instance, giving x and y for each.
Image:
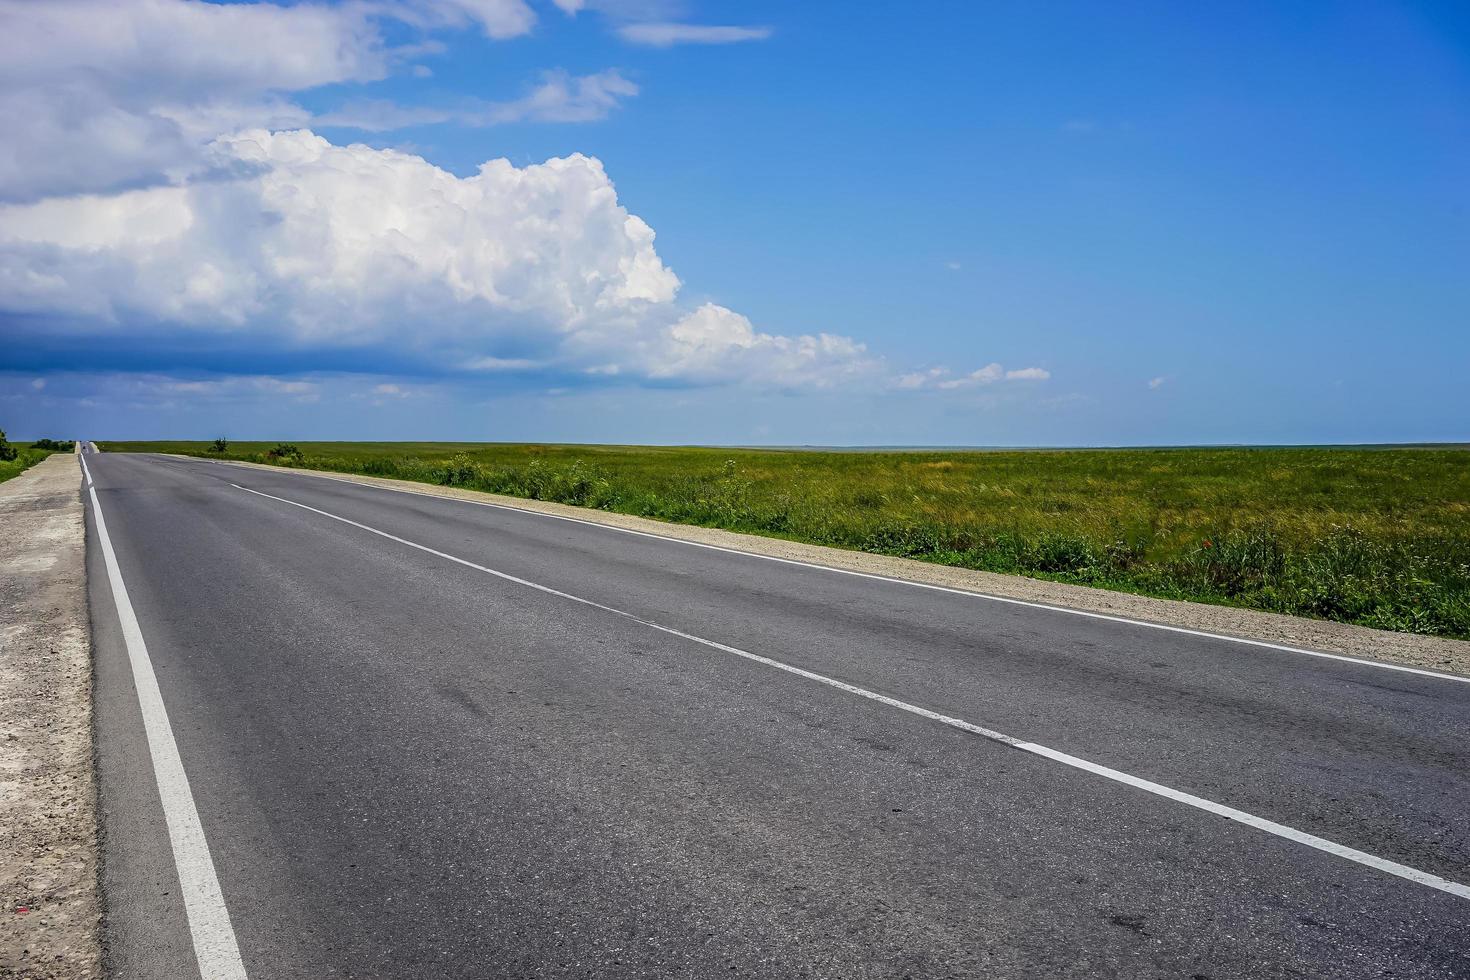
(417, 737)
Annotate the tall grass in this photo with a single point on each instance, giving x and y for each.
(1379, 537)
(24, 460)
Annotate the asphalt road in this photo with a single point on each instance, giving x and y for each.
(408, 766)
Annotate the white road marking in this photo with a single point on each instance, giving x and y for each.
(1199, 803)
(209, 920)
(1262, 644)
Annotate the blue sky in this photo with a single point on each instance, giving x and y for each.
(980, 224)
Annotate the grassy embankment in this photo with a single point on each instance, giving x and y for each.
(24, 460)
(15, 460)
(1379, 537)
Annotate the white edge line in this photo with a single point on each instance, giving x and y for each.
(215, 947)
(1263, 644)
(1239, 816)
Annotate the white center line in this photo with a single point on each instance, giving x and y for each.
(1158, 789)
(209, 921)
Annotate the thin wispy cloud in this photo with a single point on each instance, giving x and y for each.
(942, 379)
(559, 98)
(667, 34)
(506, 364)
(237, 386)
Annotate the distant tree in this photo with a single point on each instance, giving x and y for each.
(57, 445)
(220, 445)
(7, 451)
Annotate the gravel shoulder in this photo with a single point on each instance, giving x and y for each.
(1426, 652)
(49, 923)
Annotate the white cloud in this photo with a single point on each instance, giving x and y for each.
(667, 34)
(922, 379)
(382, 115)
(169, 47)
(563, 98)
(1156, 383)
(559, 98)
(98, 95)
(235, 387)
(989, 374)
(301, 389)
(941, 379)
(499, 19)
(502, 364)
(326, 248)
(332, 243)
(952, 266)
(714, 343)
(38, 383)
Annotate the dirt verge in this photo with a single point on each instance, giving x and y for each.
(50, 919)
(1426, 652)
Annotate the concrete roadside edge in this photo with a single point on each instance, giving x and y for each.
(50, 923)
(1409, 649)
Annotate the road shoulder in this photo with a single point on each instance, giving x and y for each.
(1423, 652)
(50, 921)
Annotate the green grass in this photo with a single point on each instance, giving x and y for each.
(1375, 536)
(24, 460)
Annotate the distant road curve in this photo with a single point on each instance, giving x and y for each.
(425, 738)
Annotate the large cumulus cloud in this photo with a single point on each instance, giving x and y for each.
(316, 247)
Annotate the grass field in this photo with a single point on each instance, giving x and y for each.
(1375, 536)
(24, 460)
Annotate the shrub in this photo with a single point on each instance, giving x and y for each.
(7, 451)
(1235, 564)
(220, 445)
(459, 471)
(1060, 553)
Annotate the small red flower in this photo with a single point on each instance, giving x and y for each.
(1207, 543)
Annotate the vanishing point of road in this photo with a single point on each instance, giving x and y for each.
(350, 732)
